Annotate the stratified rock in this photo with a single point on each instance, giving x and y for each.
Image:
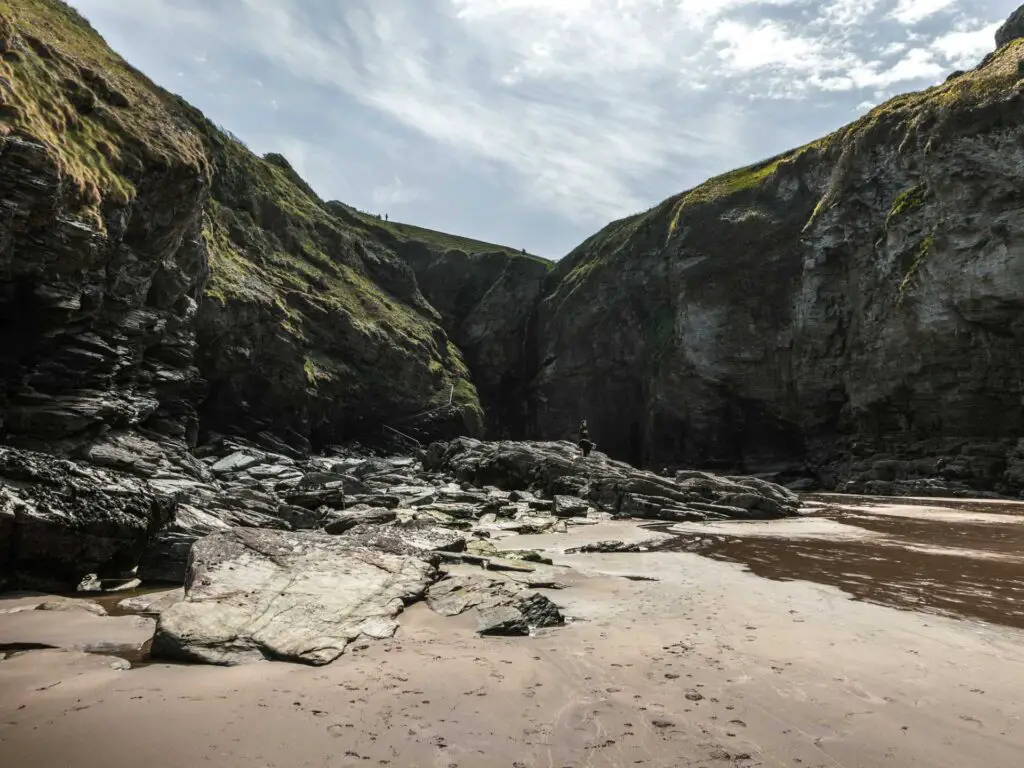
(339, 522)
(504, 607)
(551, 468)
(258, 594)
(570, 506)
(61, 521)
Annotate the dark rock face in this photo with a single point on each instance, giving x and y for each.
(60, 521)
(1012, 29)
(96, 316)
(185, 278)
(486, 301)
(854, 300)
(485, 296)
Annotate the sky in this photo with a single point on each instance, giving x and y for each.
(534, 123)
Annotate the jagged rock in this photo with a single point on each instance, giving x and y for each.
(1012, 29)
(504, 607)
(409, 538)
(569, 506)
(339, 522)
(615, 486)
(257, 594)
(607, 546)
(61, 520)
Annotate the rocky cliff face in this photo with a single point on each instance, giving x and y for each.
(157, 276)
(158, 284)
(485, 295)
(851, 309)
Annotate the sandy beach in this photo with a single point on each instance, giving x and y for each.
(670, 659)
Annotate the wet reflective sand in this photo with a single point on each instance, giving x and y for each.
(950, 557)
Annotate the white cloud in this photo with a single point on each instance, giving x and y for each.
(964, 48)
(395, 193)
(915, 11)
(588, 109)
(769, 44)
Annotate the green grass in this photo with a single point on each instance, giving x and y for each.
(101, 119)
(440, 241)
(924, 249)
(909, 200)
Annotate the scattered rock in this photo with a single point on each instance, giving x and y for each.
(606, 546)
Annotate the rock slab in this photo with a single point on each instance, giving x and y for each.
(254, 594)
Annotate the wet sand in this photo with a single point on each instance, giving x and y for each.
(955, 558)
(705, 665)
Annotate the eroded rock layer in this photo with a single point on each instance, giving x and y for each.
(850, 310)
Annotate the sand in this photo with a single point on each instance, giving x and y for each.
(703, 665)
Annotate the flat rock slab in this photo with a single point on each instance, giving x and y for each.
(153, 603)
(410, 538)
(254, 594)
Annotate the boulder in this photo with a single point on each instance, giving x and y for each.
(504, 607)
(304, 597)
(339, 522)
(569, 506)
(60, 521)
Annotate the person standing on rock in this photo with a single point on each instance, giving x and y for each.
(585, 445)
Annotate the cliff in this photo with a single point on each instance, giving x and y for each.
(485, 295)
(157, 277)
(849, 310)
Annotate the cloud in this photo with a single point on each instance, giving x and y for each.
(915, 11)
(963, 48)
(395, 193)
(571, 111)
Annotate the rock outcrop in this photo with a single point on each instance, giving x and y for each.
(485, 295)
(557, 469)
(156, 277)
(259, 594)
(850, 310)
(61, 521)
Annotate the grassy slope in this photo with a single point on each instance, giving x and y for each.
(436, 241)
(100, 117)
(271, 241)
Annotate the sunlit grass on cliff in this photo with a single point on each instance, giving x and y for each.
(102, 120)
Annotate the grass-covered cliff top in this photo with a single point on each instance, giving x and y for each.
(438, 242)
(104, 120)
(1000, 78)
